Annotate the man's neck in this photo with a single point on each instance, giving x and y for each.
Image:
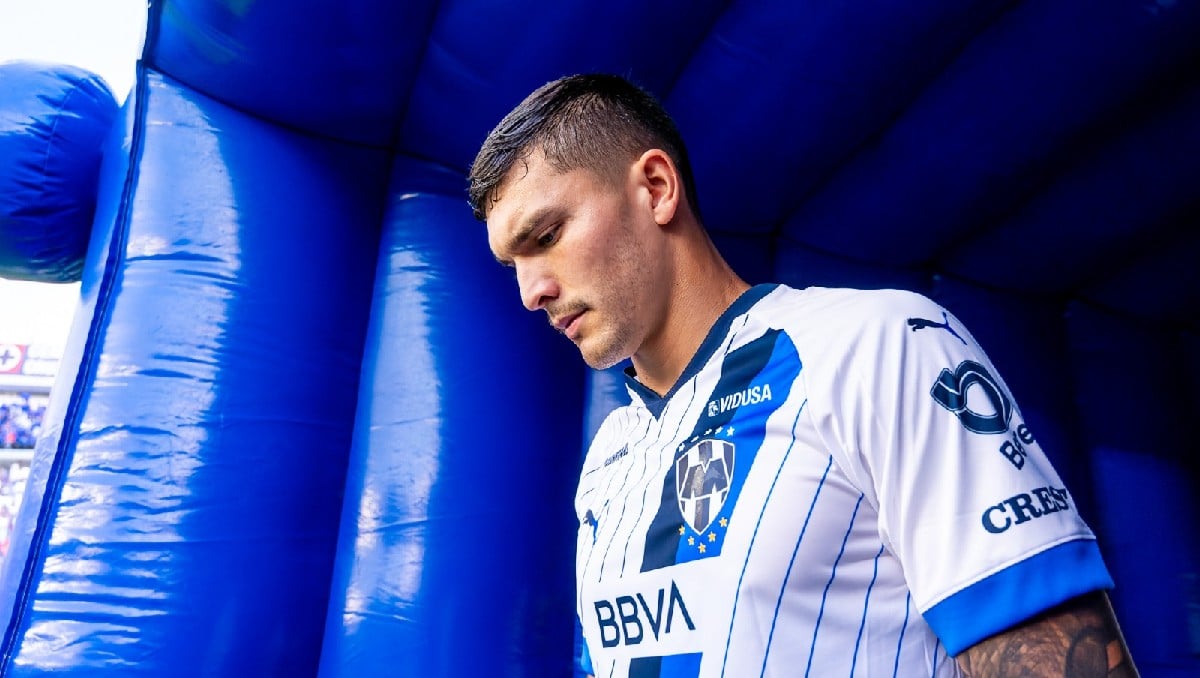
(696, 302)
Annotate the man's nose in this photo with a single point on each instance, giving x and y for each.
(538, 288)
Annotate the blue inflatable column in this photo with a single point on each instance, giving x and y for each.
(1137, 405)
(181, 515)
(53, 121)
(456, 554)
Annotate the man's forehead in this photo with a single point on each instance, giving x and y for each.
(522, 191)
(505, 211)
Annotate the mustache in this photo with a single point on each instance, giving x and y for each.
(564, 310)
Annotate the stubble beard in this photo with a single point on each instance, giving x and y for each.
(612, 349)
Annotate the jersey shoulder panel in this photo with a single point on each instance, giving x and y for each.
(917, 416)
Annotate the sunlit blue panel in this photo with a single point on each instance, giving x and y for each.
(190, 511)
(53, 120)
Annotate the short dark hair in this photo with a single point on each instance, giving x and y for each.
(596, 121)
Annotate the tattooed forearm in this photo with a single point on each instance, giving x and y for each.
(1078, 639)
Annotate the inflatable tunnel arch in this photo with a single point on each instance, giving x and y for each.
(304, 426)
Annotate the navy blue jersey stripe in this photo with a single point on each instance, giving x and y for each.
(812, 650)
(740, 451)
(645, 667)
(862, 624)
(750, 549)
(667, 449)
(900, 640)
(936, 647)
(663, 536)
(681, 665)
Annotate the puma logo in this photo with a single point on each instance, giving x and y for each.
(590, 519)
(921, 323)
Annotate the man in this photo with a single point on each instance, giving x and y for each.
(807, 482)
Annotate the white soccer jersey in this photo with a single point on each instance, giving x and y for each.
(839, 485)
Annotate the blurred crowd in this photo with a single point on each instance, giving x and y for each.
(20, 424)
(12, 488)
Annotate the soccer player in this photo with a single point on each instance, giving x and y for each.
(807, 482)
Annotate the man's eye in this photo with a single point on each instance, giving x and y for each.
(548, 238)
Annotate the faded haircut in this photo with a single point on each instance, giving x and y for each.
(597, 122)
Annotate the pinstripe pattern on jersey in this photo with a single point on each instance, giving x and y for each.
(627, 479)
(754, 535)
(812, 650)
(866, 605)
(661, 531)
(662, 451)
(900, 638)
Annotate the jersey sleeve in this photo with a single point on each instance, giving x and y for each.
(919, 419)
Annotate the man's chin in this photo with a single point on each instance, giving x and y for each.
(598, 360)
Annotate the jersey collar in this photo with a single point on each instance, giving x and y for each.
(716, 334)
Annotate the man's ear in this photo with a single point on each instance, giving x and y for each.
(657, 173)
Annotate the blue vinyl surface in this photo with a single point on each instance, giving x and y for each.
(53, 121)
(303, 425)
(458, 520)
(189, 514)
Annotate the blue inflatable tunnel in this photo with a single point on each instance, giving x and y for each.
(304, 426)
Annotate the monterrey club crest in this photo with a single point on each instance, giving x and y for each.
(702, 478)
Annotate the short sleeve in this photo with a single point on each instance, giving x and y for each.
(919, 418)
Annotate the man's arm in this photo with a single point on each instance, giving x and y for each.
(1078, 639)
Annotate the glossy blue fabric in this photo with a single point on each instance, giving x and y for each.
(189, 509)
(53, 120)
(304, 426)
(457, 532)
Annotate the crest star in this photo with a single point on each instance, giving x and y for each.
(724, 523)
(729, 432)
(712, 536)
(681, 529)
(719, 429)
(692, 542)
(702, 549)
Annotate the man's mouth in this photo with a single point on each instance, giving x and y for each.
(569, 324)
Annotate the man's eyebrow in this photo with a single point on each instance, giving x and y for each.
(517, 240)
